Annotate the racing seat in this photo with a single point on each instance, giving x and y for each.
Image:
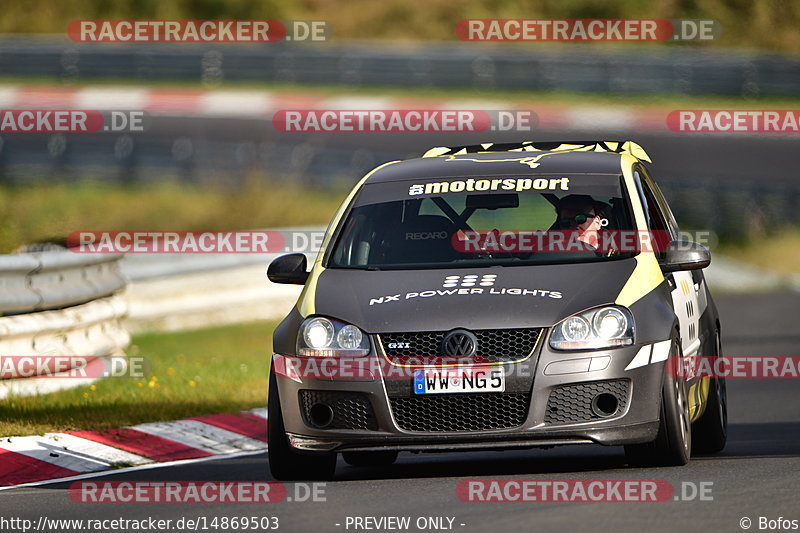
(421, 239)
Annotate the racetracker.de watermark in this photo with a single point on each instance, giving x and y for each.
(588, 30)
(565, 241)
(183, 492)
(736, 366)
(73, 366)
(734, 121)
(348, 368)
(310, 241)
(403, 120)
(71, 121)
(582, 490)
(193, 242)
(198, 31)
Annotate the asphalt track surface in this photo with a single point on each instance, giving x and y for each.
(728, 157)
(756, 475)
(762, 160)
(736, 157)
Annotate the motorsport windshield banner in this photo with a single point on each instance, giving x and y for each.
(596, 185)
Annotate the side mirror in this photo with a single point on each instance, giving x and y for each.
(684, 255)
(289, 269)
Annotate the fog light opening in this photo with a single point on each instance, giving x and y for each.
(605, 404)
(320, 415)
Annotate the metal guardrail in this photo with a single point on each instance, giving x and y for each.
(60, 303)
(207, 295)
(87, 330)
(572, 67)
(180, 291)
(55, 279)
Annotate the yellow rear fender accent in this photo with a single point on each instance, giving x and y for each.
(698, 398)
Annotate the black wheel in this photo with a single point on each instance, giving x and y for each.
(369, 458)
(673, 444)
(710, 432)
(285, 463)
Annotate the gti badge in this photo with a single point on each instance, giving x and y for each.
(399, 345)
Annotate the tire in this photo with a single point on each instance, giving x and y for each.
(285, 463)
(673, 443)
(369, 458)
(710, 432)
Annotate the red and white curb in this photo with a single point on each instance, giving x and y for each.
(25, 460)
(264, 104)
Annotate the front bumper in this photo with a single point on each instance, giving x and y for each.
(558, 388)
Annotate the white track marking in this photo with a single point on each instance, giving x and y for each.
(248, 103)
(357, 103)
(8, 97)
(96, 459)
(111, 98)
(69, 451)
(202, 436)
(148, 466)
(258, 411)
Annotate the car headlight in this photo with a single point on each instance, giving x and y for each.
(604, 327)
(322, 337)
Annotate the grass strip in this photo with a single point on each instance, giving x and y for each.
(213, 370)
(50, 211)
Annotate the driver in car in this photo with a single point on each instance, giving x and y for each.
(581, 216)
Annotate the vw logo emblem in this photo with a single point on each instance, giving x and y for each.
(460, 343)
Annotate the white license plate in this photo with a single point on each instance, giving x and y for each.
(453, 380)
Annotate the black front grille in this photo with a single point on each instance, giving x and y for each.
(494, 346)
(461, 412)
(351, 410)
(571, 404)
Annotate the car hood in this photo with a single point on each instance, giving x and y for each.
(443, 299)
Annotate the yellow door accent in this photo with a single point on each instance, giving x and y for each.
(647, 274)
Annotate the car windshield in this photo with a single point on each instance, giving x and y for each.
(479, 222)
